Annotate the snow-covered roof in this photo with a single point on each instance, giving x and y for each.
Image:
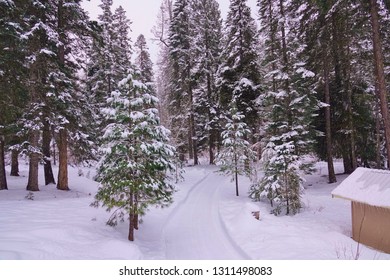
(370, 186)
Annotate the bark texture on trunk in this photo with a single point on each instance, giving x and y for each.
(32, 184)
(131, 219)
(380, 74)
(378, 153)
(211, 149)
(328, 126)
(46, 138)
(194, 140)
(236, 172)
(63, 161)
(62, 180)
(131, 228)
(136, 215)
(3, 178)
(14, 163)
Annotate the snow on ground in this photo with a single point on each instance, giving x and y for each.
(206, 221)
(321, 231)
(53, 224)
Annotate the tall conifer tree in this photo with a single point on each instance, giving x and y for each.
(239, 74)
(289, 106)
(136, 156)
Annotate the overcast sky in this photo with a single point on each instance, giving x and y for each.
(143, 14)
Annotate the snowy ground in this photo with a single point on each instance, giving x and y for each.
(206, 221)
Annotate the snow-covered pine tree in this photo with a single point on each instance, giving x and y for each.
(289, 106)
(338, 47)
(378, 12)
(70, 108)
(121, 44)
(53, 32)
(109, 59)
(316, 27)
(239, 73)
(134, 169)
(12, 77)
(236, 155)
(143, 61)
(40, 39)
(206, 51)
(181, 98)
(101, 65)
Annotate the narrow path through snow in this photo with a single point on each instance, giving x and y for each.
(195, 229)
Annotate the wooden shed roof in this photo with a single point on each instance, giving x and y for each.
(370, 186)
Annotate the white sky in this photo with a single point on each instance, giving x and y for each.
(143, 14)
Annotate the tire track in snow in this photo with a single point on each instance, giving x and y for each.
(195, 229)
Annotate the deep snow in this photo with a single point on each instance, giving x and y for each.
(206, 221)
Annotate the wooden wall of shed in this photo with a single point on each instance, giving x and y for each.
(371, 226)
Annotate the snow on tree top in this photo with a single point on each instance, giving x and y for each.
(370, 186)
(7, 2)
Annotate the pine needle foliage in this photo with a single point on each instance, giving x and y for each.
(236, 154)
(134, 171)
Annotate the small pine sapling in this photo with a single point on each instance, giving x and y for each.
(236, 154)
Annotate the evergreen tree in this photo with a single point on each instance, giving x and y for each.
(109, 59)
(121, 44)
(206, 52)
(289, 109)
(133, 170)
(317, 30)
(72, 27)
(239, 74)
(337, 44)
(143, 61)
(41, 39)
(12, 76)
(236, 154)
(181, 99)
(380, 78)
(101, 64)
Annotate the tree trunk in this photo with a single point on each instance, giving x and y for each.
(328, 130)
(63, 160)
(347, 162)
(46, 138)
(14, 163)
(3, 178)
(351, 128)
(287, 197)
(54, 153)
(348, 91)
(380, 74)
(211, 130)
(211, 148)
(131, 227)
(378, 154)
(131, 219)
(136, 215)
(236, 172)
(193, 143)
(190, 142)
(32, 184)
(63, 134)
(194, 140)
(136, 221)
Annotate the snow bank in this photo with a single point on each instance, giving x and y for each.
(53, 224)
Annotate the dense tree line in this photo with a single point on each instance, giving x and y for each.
(289, 82)
(310, 78)
(68, 85)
